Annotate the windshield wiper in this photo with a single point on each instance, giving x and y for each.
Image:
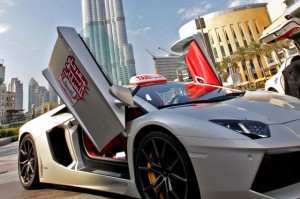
(234, 94)
(221, 98)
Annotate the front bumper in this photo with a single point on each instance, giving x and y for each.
(263, 168)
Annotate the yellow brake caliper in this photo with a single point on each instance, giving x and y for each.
(152, 178)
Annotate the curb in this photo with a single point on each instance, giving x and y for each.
(5, 141)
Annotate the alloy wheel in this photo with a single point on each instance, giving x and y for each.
(161, 168)
(27, 166)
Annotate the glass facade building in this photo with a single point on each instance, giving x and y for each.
(104, 31)
(167, 66)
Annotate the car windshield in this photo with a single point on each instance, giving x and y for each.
(177, 93)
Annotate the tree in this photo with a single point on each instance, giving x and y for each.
(221, 69)
(241, 56)
(229, 63)
(280, 45)
(256, 50)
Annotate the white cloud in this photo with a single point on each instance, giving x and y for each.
(243, 2)
(261, 1)
(3, 28)
(8, 2)
(140, 31)
(235, 3)
(190, 13)
(2, 12)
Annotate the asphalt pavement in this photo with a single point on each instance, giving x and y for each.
(10, 187)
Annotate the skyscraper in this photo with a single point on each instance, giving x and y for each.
(104, 31)
(7, 104)
(53, 95)
(42, 96)
(16, 86)
(167, 66)
(2, 71)
(32, 86)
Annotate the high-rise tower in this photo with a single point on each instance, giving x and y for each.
(104, 31)
(53, 97)
(16, 86)
(2, 71)
(33, 85)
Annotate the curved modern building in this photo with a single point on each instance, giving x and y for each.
(226, 31)
(104, 31)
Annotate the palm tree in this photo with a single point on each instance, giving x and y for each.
(280, 45)
(229, 63)
(221, 69)
(256, 50)
(268, 50)
(241, 56)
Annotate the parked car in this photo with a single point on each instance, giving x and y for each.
(284, 81)
(160, 139)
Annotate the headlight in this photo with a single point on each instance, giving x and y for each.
(252, 129)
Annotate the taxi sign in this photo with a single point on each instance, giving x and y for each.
(72, 82)
(148, 79)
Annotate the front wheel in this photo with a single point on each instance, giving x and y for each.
(28, 163)
(163, 169)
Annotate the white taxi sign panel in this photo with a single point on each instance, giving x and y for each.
(83, 87)
(148, 79)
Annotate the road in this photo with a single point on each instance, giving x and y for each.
(10, 187)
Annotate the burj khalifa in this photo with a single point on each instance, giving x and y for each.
(104, 31)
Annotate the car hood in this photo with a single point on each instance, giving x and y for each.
(257, 106)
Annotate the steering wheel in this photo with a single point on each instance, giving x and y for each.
(175, 99)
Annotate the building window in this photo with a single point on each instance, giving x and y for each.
(235, 37)
(270, 59)
(252, 68)
(292, 50)
(289, 3)
(243, 35)
(257, 29)
(250, 32)
(221, 44)
(228, 43)
(281, 55)
(213, 46)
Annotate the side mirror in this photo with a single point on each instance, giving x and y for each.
(122, 94)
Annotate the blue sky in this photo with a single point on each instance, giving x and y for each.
(28, 30)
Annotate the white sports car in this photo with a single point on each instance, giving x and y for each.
(159, 139)
(288, 30)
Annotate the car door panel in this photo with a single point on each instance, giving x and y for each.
(83, 87)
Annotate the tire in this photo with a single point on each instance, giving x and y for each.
(28, 163)
(163, 169)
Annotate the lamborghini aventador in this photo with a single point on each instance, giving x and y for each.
(160, 139)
